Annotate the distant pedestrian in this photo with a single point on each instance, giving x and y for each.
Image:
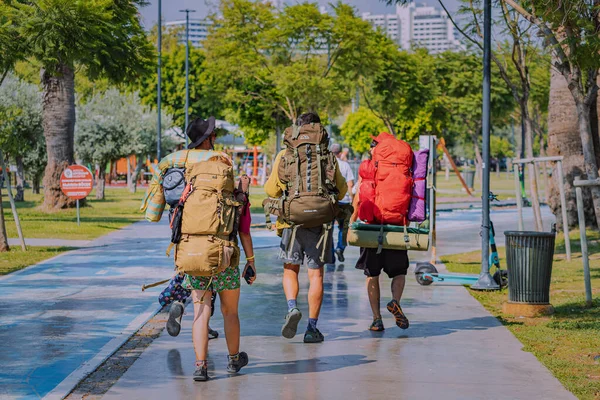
(343, 217)
(206, 238)
(307, 183)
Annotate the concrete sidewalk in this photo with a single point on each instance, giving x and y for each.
(454, 349)
(61, 318)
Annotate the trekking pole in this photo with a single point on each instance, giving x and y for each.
(144, 287)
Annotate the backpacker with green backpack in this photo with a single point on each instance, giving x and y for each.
(307, 169)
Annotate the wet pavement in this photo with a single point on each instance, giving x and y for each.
(61, 318)
(453, 349)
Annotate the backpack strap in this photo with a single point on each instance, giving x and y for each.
(323, 239)
(320, 180)
(298, 173)
(406, 237)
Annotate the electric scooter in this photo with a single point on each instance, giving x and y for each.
(426, 273)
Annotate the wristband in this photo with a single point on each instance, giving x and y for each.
(250, 258)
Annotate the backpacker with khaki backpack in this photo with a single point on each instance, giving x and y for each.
(205, 221)
(307, 168)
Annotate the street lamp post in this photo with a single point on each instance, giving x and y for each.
(158, 86)
(485, 281)
(187, 70)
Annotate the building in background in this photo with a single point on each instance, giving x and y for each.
(198, 30)
(418, 26)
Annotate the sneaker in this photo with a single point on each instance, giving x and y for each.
(377, 325)
(237, 362)
(290, 327)
(397, 312)
(201, 373)
(315, 336)
(340, 255)
(175, 315)
(212, 334)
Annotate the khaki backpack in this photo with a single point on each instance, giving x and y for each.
(307, 168)
(208, 242)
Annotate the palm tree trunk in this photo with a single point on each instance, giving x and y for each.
(589, 154)
(3, 237)
(58, 108)
(564, 140)
(20, 195)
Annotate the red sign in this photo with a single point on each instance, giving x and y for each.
(76, 182)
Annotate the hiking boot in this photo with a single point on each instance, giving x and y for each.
(397, 312)
(340, 255)
(237, 362)
(315, 336)
(212, 334)
(290, 327)
(377, 325)
(175, 315)
(201, 373)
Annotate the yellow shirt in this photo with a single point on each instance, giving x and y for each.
(274, 187)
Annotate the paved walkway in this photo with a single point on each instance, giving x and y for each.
(454, 349)
(59, 319)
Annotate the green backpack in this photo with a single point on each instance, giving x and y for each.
(307, 168)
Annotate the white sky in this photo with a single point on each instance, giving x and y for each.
(170, 8)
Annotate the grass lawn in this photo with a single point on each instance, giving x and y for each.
(98, 217)
(568, 342)
(16, 259)
(500, 185)
(257, 195)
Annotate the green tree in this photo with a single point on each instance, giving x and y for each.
(459, 78)
(104, 133)
(11, 49)
(359, 127)
(404, 93)
(205, 100)
(102, 38)
(277, 64)
(21, 130)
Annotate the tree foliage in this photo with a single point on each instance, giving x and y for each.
(21, 126)
(205, 100)
(359, 127)
(282, 63)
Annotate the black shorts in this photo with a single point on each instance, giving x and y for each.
(392, 262)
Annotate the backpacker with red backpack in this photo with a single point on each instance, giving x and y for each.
(385, 195)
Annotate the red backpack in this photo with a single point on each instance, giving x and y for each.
(393, 182)
(366, 192)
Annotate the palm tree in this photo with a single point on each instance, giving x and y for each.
(564, 140)
(96, 37)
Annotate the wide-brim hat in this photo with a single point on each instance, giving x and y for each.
(199, 130)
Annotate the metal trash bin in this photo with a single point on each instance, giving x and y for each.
(469, 177)
(529, 258)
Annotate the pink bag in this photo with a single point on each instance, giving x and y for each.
(416, 209)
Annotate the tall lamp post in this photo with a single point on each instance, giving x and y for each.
(158, 86)
(187, 70)
(485, 281)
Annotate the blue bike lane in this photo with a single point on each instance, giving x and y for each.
(61, 318)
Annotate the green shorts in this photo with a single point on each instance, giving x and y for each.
(228, 279)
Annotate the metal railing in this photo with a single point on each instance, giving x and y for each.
(579, 184)
(563, 201)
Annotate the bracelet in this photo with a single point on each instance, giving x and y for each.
(250, 258)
